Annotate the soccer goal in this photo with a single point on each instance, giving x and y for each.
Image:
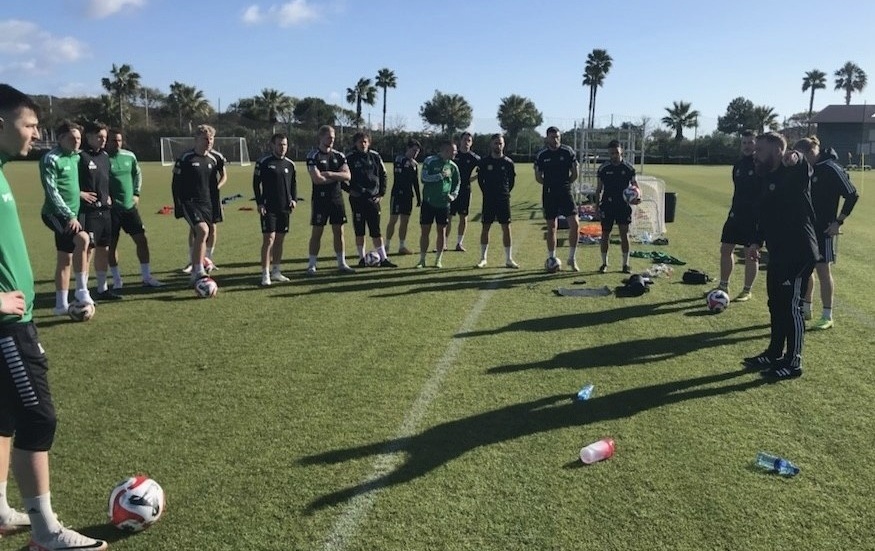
(234, 149)
(648, 217)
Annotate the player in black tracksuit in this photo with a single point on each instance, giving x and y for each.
(367, 186)
(275, 186)
(786, 225)
(829, 184)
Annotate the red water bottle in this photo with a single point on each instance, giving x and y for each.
(597, 451)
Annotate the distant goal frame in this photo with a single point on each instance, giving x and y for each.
(234, 149)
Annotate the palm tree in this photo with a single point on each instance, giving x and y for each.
(385, 79)
(813, 80)
(188, 102)
(680, 116)
(125, 83)
(762, 117)
(850, 78)
(363, 91)
(516, 114)
(598, 63)
(274, 104)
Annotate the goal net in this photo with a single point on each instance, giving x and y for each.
(234, 149)
(648, 217)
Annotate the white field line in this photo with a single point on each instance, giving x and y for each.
(346, 526)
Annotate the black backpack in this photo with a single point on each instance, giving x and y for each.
(695, 277)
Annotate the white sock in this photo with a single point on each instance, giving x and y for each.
(361, 250)
(381, 250)
(145, 271)
(401, 245)
(42, 519)
(507, 253)
(483, 250)
(190, 253)
(101, 282)
(62, 299)
(274, 268)
(459, 242)
(422, 257)
(572, 253)
(604, 258)
(311, 261)
(210, 251)
(4, 504)
(626, 258)
(81, 281)
(827, 313)
(440, 255)
(341, 259)
(116, 276)
(551, 253)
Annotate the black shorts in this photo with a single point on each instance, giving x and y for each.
(496, 209)
(462, 202)
(614, 212)
(365, 211)
(275, 222)
(401, 204)
(738, 230)
(195, 212)
(826, 246)
(128, 220)
(429, 214)
(26, 408)
(327, 210)
(63, 238)
(557, 201)
(98, 224)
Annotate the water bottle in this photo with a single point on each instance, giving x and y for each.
(585, 392)
(776, 464)
(597, 451)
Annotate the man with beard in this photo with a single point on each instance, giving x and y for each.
(786, 225)
(496, 176)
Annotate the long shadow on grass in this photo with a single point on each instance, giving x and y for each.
(436, 446)
(636, 352)
(587, 319)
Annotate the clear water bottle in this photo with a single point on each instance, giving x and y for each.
(584, 393)
(597, 451)
(776, 464)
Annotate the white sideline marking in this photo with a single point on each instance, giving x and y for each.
(346, 526)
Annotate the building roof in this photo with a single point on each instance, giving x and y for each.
(846, 114)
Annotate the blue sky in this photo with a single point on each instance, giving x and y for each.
(706, 53)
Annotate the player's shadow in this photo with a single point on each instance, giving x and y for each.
(586, 319)
(422, 453)
(637, 352)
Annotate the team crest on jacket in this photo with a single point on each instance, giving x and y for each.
(488, 167)
(814, 179)
(771, 187)
(750, 172)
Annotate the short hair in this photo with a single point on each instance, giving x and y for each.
(360, 135)
(806, 144)
(614, 144)
(324, 130)
(773, 138)
(413, 143)
(12, 99)
(465, 133)
(446, 143)
(748, 134)
(552, 130)
(205, 130)
(66, 127)
(113, 131)
(279, 136)
(496, 136)
(93, 127)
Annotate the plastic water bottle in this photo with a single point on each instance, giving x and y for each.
(597, 451)
(585, 392)
(776, 464)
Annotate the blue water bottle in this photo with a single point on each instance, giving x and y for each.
(776, 464)
(585, 392)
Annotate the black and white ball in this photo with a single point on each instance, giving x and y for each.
(372, 259)
(206, 287)
(632, 195)
(81, 311)
(717, 301)
(552, 265)
(136, 503)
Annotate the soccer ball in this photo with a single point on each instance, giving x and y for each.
(136, 504)
(552, 265)
(372, 259)
(81, 311)
(206, 287)
(632, 195)
(717, 301)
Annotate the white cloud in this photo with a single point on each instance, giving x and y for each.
(29, 49)
(289, 14)
(99, 9)
(252, 15)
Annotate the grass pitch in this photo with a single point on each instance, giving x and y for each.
(430, 409)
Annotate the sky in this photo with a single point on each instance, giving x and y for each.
(702, 52)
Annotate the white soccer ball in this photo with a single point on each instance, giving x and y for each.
(136, 504)
(632, 195)
(552, 265)
(372, 259)
(81, 311)
(206, 287)
(717, 301)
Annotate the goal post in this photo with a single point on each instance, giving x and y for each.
(234, 149)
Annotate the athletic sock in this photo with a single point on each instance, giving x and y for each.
(605, 258)
(827, 313)
(361, 250)
(459, 242)
(551, 253)
(401, 245)
(117, 276)
(42, 519)
(572, 252)
(388, 244)
(311, 261)
(745, 289)
(806, 307)
(381, 250)
(62, 299)
(724, 285)
(440, 255)
(274, 268)
(422, 257)
(4, 504)
(145, 271)
(626, 258)
(101, 282)
(81, 281)
(210, 251)
(341, 259)
(507, 252)
(483, 250)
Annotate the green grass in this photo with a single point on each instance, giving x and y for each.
(263, 412)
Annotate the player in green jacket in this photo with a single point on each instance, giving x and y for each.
(440, 187)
